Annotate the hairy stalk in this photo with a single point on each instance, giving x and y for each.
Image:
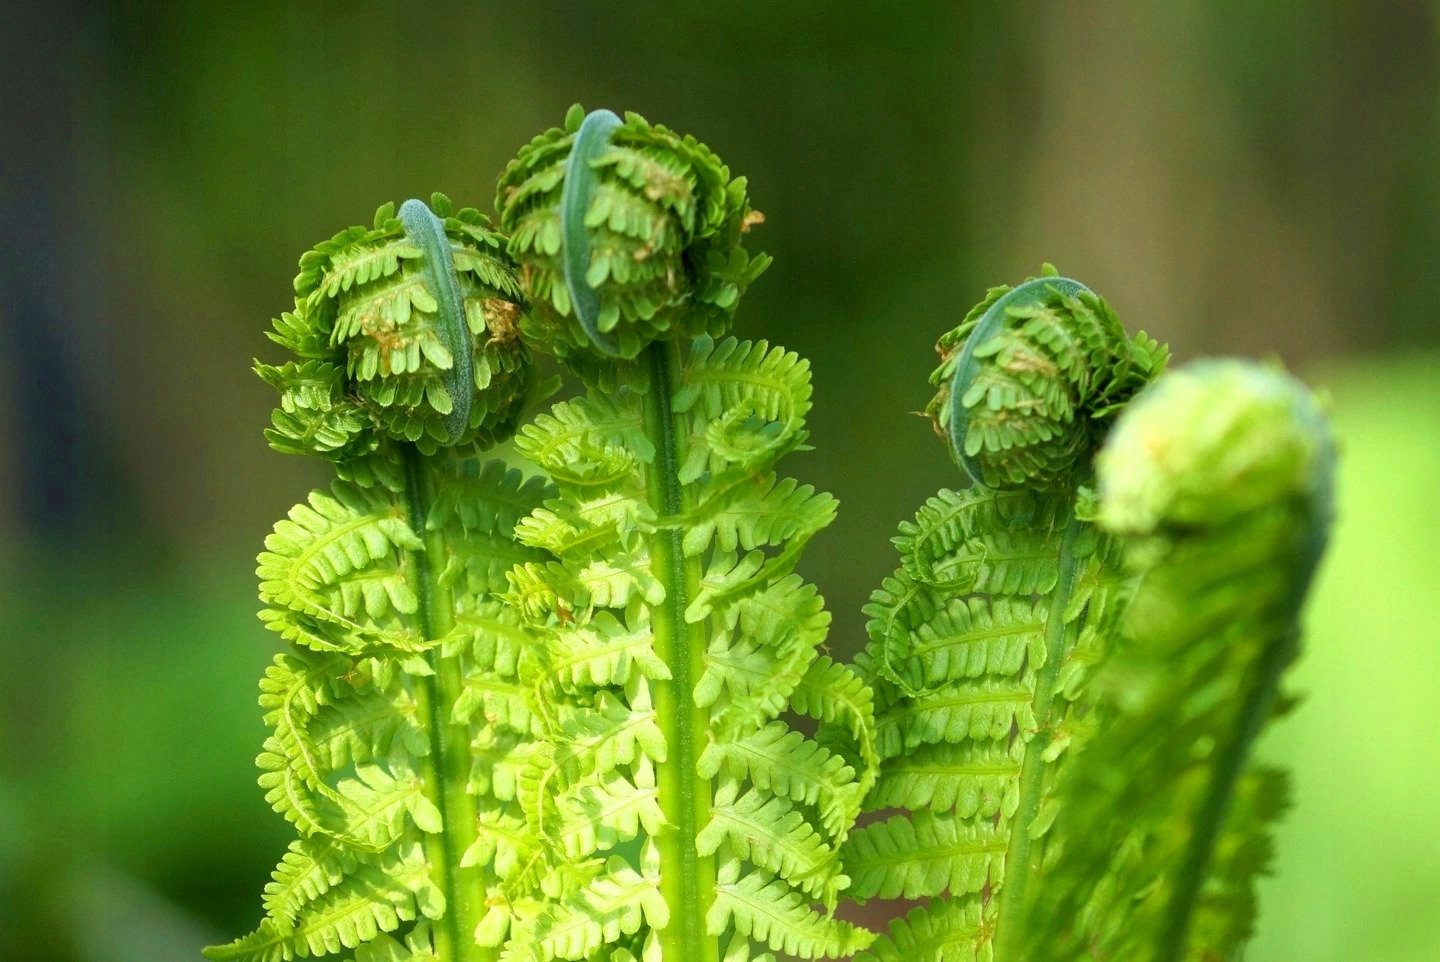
(1022, 861)
(688, 880)
(447, 766)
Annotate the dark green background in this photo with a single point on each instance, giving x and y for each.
(1245, 177)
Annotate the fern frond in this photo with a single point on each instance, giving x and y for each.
(767, 910)
(376, 898)
(599, 814)
(981, 643)
(991, 636)
(308, 869)
(784, 762)
(613, 905)
(1227, 519)
(536, 721)
(671, 593)
(592, 441)
(403, 667)
(1226, 912)
(945, 930)
(1026, 394)
(599, 739)
(978, 711)
(367, 728)
(923, 855)
(675, 631)
(627, 232)
(333, 574)
(772, 835)
(968, 780)
(836, 696)
(605, 652)
(407, 332)
(419, 946)
(770, 514)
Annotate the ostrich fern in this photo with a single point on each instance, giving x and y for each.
(585, 712)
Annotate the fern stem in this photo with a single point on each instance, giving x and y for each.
(687, 880)
(447, 766)
(1022, 861)
(1210, 818)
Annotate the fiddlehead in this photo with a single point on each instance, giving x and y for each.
(1068, 686)
(1030, 378)
(397, 711)
(982, 641)
(675, 812)
(1219, 482)
(626, 232)
(395, 343)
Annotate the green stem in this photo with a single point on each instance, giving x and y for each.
(1210, 818)
(446, 769)
(1022, 861)
(1254, 712)
(687, 881)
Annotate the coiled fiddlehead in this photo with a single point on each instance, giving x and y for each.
(673, 811)
(983, 640)
(404, 333)
(1219, 481)
(1067, 686)
(396, 710)
(1030, 378)
(626, 232)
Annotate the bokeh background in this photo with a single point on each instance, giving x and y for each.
(1257, 178)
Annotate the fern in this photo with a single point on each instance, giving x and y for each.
(402, 663)
(591, 715)
(1034, 654)
(669, 795)
(1227, 521)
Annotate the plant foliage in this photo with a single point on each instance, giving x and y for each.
(1068, 668)
(588, 712)
(396, 709)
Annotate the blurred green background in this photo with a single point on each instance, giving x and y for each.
(1243, 177)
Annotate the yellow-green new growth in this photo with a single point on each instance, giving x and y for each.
(674, 813)
(1066, 689)
(396, 710)
(626, 232)
(1030, 379)
(1219, 481)
(591, 716)
(408, 332)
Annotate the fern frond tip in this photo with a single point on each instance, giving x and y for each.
(626, 233)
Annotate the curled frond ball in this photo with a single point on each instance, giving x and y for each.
(1210, 442)
(405, 331)
(1030, 380)
(626, 233)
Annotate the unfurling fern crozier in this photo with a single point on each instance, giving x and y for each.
(1218, 481)
(591, 715)
(673, 810)
(1076, 653)
(982, 640)
(401, 670)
